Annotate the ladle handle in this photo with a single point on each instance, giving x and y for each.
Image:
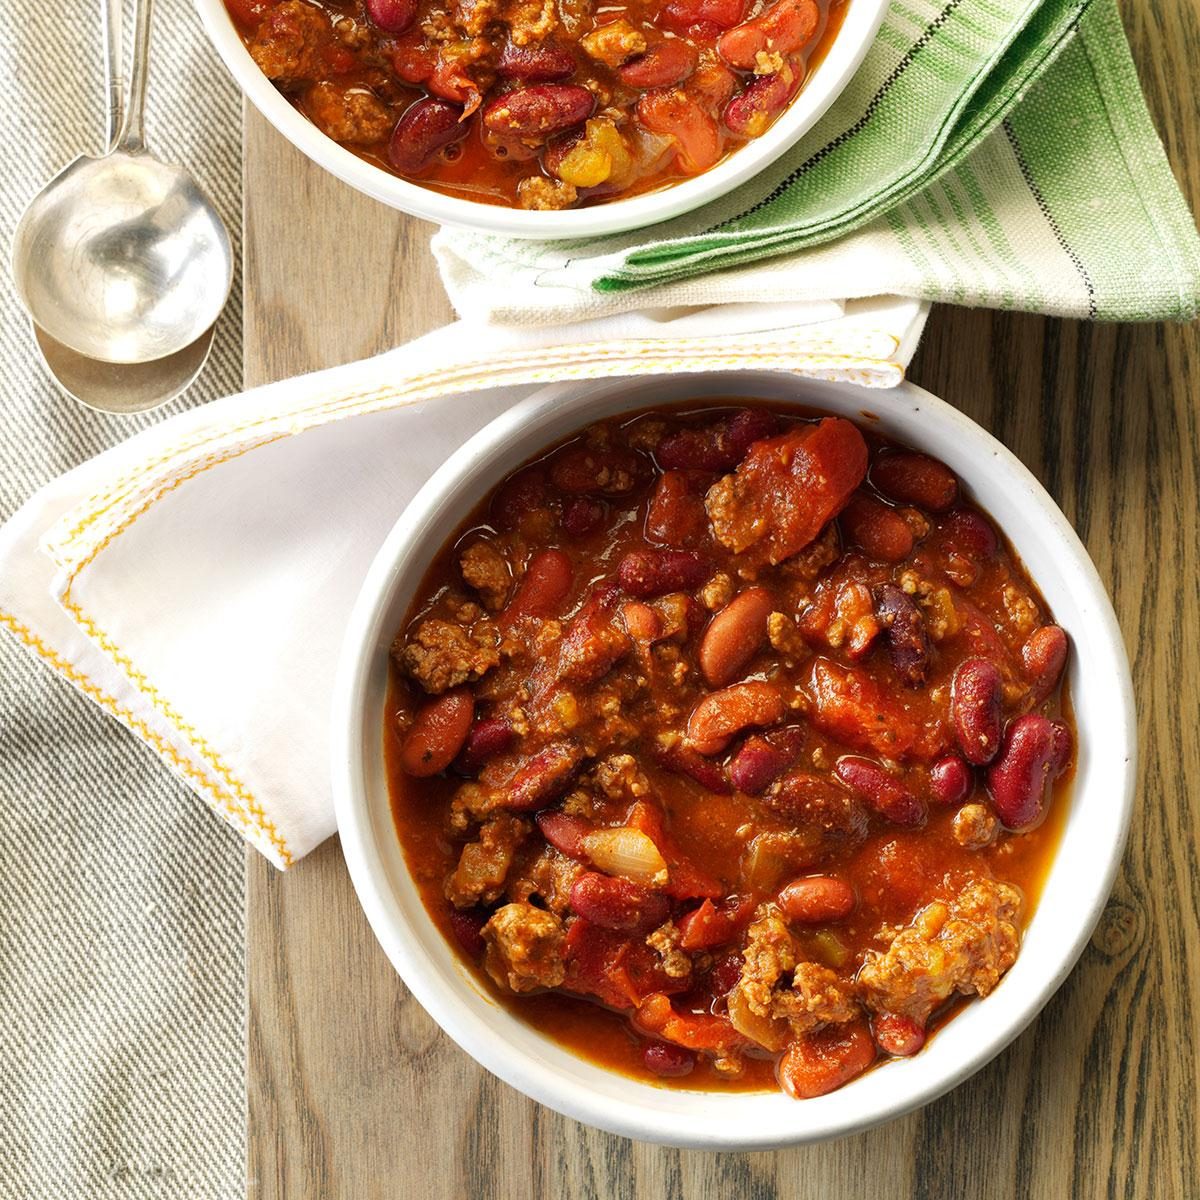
(133, 131)
(114, 85)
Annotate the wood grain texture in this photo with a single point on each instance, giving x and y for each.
(354, 1092)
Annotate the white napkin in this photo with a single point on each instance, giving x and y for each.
(195, 581)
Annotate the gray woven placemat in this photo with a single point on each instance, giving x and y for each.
(121, 928)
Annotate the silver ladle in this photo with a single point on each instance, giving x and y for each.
(121, 259)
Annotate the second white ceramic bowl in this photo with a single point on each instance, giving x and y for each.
(861, 23)
(1075, 890)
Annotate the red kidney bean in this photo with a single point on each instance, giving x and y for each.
(917, 479)
(539, 62)
(949, 780)
(544, 777)
(1017, 780)
(782, 28)
(721, 714)
(725, 974)
(544, 586)
(720, 446)
(565, 832)
(663, 64)
(881, 531)
(649, 573)
(485, 739)
(824, 1061)
(392, 16)
(883, 793)
(807, 799)
(816, 900)
(1063, 746)
(437, 733)
(675, 114)
(682, 760)
(426, 127)
(587, 470)
(519, 496)
(668, 1061)
(680, 15)
(676, 515)
(582, 516)
(904, 628)
(971, 534)
(975, 698)
(897, 1035)
(1044, 655)
(619, 904)
(751, 111)
(467, 926)
(734, 636)
(538, 112)
(757, 765)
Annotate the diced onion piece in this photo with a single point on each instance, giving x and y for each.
(769, 1032)
(627, 852)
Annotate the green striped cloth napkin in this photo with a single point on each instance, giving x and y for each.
(987, 152)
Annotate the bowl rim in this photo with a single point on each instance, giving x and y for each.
(352, 723)
(843, 58)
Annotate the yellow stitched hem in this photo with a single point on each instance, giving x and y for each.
(264, 835)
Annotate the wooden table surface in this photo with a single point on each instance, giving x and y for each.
(353, 1091)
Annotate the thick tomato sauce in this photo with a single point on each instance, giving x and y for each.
(728, 828)
(540, 105)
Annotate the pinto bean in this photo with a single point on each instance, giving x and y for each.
(620, 904)
(734, 636)
(912, 478)
(904, 626)
(649, 573)
(392, 16)
(437, 733)
(882, 792)
(782, 29)
(664, 63)
(676, 115)
(544, 777)
(721, 714)
(539, 111)
(881, 531)
(537, 62)
(1017, 780)
(1044, 655)
(752, 110)
(426, 127)
(485, 739)
(975, 697)
(817, 899)
(949, 780)
(823, 1061)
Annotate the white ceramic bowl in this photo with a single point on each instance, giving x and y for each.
(862, 21)
(1075, 891)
